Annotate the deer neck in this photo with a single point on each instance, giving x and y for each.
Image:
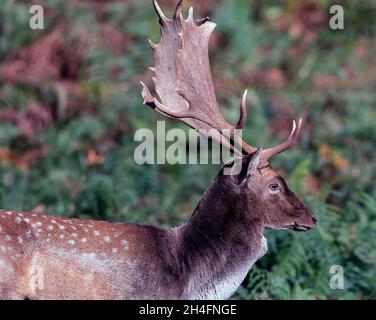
(219, 244)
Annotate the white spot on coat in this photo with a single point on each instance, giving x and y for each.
(125, 244)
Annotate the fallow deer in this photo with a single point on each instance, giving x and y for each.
(45, 257)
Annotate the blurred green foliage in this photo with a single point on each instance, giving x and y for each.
(70, 104)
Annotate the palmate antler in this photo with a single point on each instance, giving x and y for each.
(183, 82)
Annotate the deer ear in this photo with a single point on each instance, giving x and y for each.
(253, 163)
(245, 167)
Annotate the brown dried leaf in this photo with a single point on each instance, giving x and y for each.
(94, 158)
(35, 119)
(51, 57)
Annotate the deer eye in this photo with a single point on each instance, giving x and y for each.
(274, 187)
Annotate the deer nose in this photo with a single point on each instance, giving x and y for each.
(314, 218)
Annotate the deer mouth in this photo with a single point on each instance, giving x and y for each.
(298, 227)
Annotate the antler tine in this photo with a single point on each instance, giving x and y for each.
(290, 141)
(246, 148)
(179, 6)
(178, 9)
(158, 10)
(243, 111)
(201, 21)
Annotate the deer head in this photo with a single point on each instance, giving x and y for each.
(184, 85)
(266, 192)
